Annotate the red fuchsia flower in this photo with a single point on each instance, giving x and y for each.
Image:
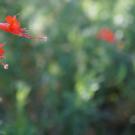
(2, 52)
(107, 35)
(12, 25)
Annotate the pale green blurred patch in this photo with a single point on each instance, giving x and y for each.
(22, 93)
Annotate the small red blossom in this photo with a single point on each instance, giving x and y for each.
(12, 25)
(107, 35)
(2, 51)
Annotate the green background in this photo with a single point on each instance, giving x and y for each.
(73, 84)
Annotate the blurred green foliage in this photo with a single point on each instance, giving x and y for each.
(73, 84)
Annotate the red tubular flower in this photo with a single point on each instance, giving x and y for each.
(2, 52)
(107, 35)
(12, 25)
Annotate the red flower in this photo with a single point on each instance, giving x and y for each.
(12, 25)
(2, 51)
(107, 35)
